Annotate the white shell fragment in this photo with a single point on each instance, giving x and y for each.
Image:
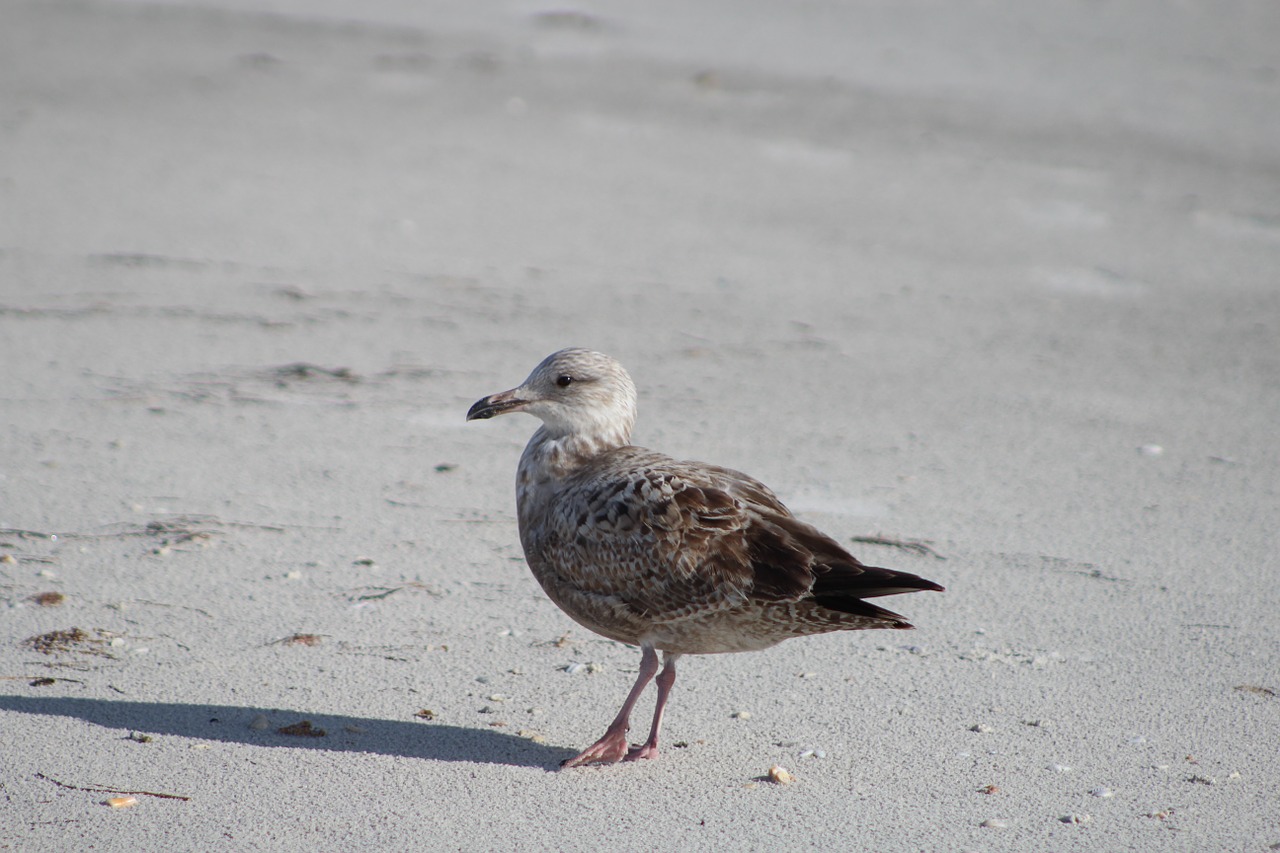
(589, 668)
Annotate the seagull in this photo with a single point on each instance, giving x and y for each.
(671, 556)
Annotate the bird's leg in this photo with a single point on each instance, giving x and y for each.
(665, 679)
(613, 746)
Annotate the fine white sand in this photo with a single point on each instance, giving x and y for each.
(1005, 281)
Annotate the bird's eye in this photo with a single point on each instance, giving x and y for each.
(564, 380)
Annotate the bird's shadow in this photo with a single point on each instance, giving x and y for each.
(231, 724)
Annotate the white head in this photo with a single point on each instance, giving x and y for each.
(575, 392)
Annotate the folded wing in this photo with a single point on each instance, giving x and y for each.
(667, 540)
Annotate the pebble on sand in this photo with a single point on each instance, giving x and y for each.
(780, 775)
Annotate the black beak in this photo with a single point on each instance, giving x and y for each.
(496, 404)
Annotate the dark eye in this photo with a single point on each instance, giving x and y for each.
(564, 380)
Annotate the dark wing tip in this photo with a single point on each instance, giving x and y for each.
(844, 590)
(924, 585)
(872, 582)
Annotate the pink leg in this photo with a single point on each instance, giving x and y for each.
(665, 679)
(613, 746)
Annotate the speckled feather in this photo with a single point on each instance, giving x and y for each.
(692, 558)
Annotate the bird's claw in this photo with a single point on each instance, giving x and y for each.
(610, 749)
(640, 753)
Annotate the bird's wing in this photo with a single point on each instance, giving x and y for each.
(665, 539)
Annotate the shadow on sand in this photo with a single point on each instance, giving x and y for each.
(230, 724)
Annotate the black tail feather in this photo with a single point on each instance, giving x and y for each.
(858, 607)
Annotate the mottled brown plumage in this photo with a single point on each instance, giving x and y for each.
(672, 556)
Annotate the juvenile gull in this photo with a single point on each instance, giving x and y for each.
(671, 556)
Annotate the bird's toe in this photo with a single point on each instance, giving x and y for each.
(610, 749)
(639, 753)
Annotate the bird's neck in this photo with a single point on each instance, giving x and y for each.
(552, 455)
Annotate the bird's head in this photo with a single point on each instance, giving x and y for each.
(574, 392)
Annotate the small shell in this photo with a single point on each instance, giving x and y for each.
(122, 802)
(994, 823)
(780, 775)
(260, 722)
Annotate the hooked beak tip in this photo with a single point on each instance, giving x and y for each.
(495, 404)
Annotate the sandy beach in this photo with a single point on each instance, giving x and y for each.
(990, 296)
